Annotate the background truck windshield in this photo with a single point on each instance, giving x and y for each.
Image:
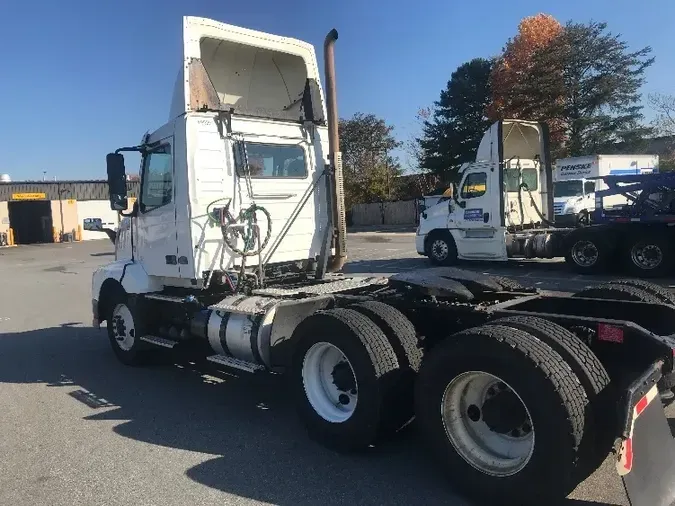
(574, 188)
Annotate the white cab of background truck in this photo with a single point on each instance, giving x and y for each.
(512, 155)
(575, 184)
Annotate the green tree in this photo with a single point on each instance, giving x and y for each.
(588, 80)
(370, 169)
(452, 135)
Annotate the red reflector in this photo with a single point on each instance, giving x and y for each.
(641, 405)
(628, 454)
(610, 333)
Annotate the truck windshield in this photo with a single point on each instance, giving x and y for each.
(574, 188)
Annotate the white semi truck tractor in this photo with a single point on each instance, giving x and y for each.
(232, 256)
(505, 207)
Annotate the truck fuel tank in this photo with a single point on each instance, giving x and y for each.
(238, 326)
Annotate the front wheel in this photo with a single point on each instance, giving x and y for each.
(441, 248)
(126, 326)
(504, 415)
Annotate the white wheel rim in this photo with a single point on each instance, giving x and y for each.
(333, 402)
(123, 327)
(488, 450)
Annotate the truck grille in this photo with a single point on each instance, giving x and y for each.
(558, 207)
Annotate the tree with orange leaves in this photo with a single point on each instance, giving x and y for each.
(514, 67)
(581, 79)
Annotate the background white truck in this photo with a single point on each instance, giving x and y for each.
(575, 183)
(504, 208)
(230, 259)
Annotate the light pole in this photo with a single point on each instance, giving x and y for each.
(61, 192)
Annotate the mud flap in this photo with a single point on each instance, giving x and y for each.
(646, 459)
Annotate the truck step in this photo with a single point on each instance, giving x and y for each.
(235, 363)
(159, 341)
(237, 309)
(243, 304)
(342, 285)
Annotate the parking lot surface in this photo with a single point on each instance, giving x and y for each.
(79, 428)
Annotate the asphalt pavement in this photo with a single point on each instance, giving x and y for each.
(79, 428)
(386, 252)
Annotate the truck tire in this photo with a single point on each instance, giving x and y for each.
(591, 373)
(589, 251)
(498, 385)
(399, 331)
(343, 379)
(403, 339)
(441, 248)
(126, 325)
(647, 254)
(612, 291)
(574, 351)
(663, 294)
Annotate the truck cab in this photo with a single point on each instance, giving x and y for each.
(573, 200)
(238, 168)
(507, 189)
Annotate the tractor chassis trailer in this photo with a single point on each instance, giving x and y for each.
(486, 367)
(520, 395)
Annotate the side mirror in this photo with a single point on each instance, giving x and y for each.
(117, 181)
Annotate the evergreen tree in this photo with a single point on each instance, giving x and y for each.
(452, 135)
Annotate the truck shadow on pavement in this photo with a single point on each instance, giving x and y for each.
(262, 451)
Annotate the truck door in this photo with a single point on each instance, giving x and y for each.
(157, 247)
(478, 232)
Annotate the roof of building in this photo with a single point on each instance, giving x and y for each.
(68, 189)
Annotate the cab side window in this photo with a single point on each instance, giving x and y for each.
(157, 179)
(475, 185)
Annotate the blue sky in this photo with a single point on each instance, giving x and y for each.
(82, 78)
